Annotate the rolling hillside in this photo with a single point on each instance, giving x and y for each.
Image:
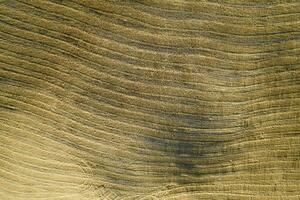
(149, 100)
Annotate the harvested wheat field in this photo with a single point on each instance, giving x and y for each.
(149, 100)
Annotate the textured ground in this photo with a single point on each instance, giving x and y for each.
(149, 99)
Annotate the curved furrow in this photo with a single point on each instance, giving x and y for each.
(214, 127)
(96, 52)
(164, 19)
(104, 104)
(160, 19)
(259, 29)
(136, 23)
(219, 8)
(145, 9)
(131, 134)
(266, 85)
(270, 60)
(252, 99)
(35, 179)
(135, 175)
(100, 30)
(248, 122)
(99, 80)
(92, 55)
(160, 131)
(88, 44)
(248, 111)
(149, 100)
(228, 47)
(164, 56)
(278, 143)
(261, 4)
(229, 144)
(236, 86)
(239, 152)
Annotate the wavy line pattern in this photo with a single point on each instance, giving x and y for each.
(136, 100)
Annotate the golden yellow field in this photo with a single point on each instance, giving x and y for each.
(149, 99)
